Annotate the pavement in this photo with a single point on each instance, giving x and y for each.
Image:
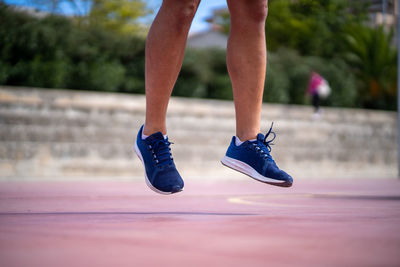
(212, 223)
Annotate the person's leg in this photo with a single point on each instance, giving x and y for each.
(246, 60)
(165, 47)
(315, 102)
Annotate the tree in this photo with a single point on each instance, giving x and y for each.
(53, 52)
(371, 54)
(119, 16)
(310, 27)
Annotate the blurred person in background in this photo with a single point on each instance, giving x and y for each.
(249, 150)
(318, 88)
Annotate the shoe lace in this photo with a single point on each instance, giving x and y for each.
(161, 151)
(264, 147)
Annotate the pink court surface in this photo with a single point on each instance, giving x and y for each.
(212, 223)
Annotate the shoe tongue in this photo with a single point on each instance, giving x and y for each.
(260, 137)
(155, 136)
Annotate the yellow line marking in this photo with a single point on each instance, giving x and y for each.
(262, 200)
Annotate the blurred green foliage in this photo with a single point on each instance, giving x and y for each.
(288, 74)
(120, 16)
(370, 53)
(53, 52)
(359, 62)
(312, 27)
(332, 38)
(204, 75)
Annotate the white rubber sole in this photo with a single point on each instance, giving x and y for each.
(250, 171)
(137, 150)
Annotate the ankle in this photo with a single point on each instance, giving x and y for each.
(246, 136)
(149, 130)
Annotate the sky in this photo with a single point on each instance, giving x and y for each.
(199, 24)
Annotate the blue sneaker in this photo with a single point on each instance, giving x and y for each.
(253, 158)
(160, 171)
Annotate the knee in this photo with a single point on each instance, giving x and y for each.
(183, 10)
(251, 11)
(259, 11)
(189, 9)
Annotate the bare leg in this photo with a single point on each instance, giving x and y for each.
(165, 47)
(246, 60)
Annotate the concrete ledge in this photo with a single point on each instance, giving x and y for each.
(62, 133)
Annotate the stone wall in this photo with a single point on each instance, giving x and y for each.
(60, 133)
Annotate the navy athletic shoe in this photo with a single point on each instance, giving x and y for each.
(253, 158)
(160, 171)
